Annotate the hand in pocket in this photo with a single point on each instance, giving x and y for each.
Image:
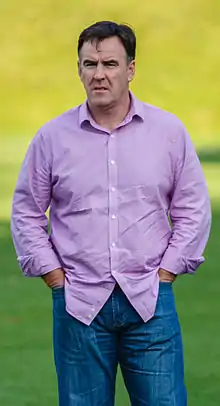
(166, 276)
(55, 278)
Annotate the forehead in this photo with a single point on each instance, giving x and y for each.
(107, 48)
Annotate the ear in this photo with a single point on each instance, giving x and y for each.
(79, 68)
(131, 70)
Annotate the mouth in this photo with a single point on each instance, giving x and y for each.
(100, 89)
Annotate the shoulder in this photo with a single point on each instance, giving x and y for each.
(164, 125)
(50, 137)
(161, 117)
(66, 120)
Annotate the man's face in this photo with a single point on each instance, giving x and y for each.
(105, 71)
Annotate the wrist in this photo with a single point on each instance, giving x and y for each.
(166, 276)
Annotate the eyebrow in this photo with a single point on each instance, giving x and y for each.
(92, 61)
(104, 62)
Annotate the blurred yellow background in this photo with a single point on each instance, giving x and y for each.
(178, 65)
(178, 59)
(178, 69)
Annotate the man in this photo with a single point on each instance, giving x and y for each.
(115, 172)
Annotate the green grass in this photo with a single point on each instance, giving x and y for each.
(27, 376)
(178, 59)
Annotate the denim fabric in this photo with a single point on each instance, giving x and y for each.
(150, 354)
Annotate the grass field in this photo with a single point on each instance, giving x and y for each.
(178, 65)
(27, 376)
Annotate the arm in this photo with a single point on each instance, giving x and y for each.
(190, 211)
(29, 223)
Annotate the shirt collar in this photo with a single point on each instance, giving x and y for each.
(135, 110)
(137, 107)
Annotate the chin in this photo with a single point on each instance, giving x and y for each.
(100, 101)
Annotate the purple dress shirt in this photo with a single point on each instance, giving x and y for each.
(122, 205)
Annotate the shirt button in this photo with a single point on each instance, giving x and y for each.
(112, 162)
(89, 316)
(93, 309)
(113, 216)
(113, 244)
(113, 189)
(112, 135)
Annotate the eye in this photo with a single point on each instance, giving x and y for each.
(89, 64)
(111, 64)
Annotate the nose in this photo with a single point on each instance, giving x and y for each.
(99, 72)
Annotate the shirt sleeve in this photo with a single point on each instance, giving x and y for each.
(190, 211)
(29, 223)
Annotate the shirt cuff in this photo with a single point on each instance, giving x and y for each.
(177, 264)
(40, 264)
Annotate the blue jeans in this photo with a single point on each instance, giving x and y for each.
(150, 354)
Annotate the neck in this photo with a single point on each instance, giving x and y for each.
(111, 116)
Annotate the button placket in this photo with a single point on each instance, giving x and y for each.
(112, 185)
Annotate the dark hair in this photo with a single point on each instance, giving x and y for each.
(106, 29)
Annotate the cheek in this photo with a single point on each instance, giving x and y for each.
(86, 78)
(121, 81)
(116, 80)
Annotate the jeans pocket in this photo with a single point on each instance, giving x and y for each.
(166, 282)
(57, 291)
(59, 303)
(165, 287)
(166, 306)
